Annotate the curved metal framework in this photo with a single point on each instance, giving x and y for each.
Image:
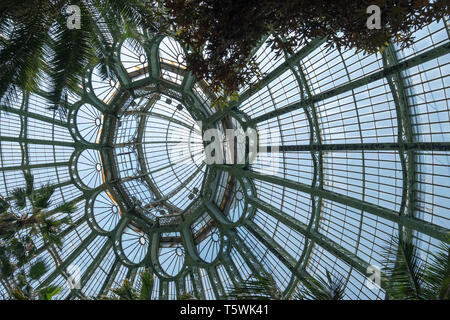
(357, 149)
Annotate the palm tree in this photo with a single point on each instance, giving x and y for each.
(31, 213)
(17, 282)
(23, 290)
(265, 288)
(409, 278)
(22, 218)
(128, 292)
(34, 38)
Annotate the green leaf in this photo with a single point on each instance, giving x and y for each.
(20, 198)
(437, 274)
(331, 288)
(72, 53)
(68, 207)
(17, 249)
(37, 270)
(4, 206)
(41, 197)
(49, 292)
(403, 269)
(22, 58)
(234, 97)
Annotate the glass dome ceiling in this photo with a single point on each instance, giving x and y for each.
(358, 148)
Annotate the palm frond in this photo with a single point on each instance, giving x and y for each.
(7, 267)
(8, 225)
(67, 207)
(72, 53)
(331, 288)
(100, 38)
(37, 270)
(17, 249)
(437, 274)
(20, 198)
(23, 55)
(257, 288)
(136, 11)
(403, 269)
(49, 230)
(41, 197)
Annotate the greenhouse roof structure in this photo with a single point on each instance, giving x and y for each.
(357, 152)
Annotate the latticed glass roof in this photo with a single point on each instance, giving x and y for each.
(357, 149)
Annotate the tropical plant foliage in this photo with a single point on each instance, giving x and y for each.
(409, 278)
(265, 288)
(35, 40)
(437, 274)
(405, 277)
(333, 288)
(23, 290)
(259, 287)
(128, 292)
(26, 216)
(222, 44)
